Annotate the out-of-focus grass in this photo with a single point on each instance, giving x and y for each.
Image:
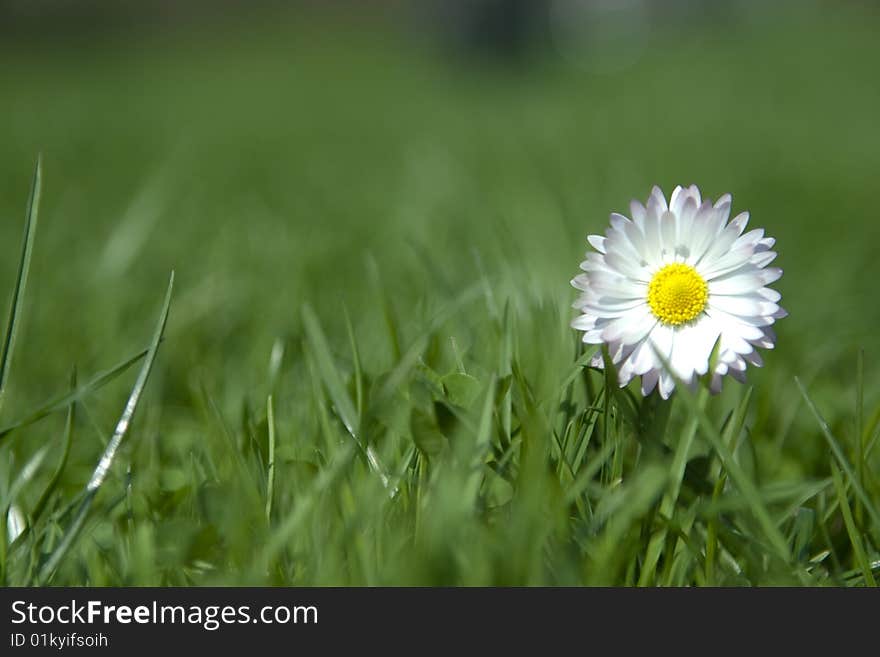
(441, 210)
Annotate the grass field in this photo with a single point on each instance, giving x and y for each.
(367, 375)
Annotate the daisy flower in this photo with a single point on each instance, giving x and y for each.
(673, 281)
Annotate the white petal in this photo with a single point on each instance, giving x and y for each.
(725, 240)
(703, 232)
(658, 201)
(681, 359)
(676, 199)
(763, 258)
(580, 282)
(770, 295)
(592, 337)
(742, 283)
(649, 381)
(653, 245)
(583, 322)
(686, 217)
(746, 305)
(726, 264)
(613, 285)
(636, 363)
(637, 210)
(768, 341)
(721, 214)
(734, 326)
(698, 340)
(662, 337)
(738, 374)
(732, 345)
(619, 308)
(597, 242)
(619, 243)
(740, 221)
(615, 331)
(750, 239)
(643, 358)
(639, 330)
(668, 236)
(667, 384)
(637, 238)
(627, 266)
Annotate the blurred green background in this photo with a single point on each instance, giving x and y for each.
(340, 156)
(265, 162)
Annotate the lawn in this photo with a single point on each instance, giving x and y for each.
(367, 376)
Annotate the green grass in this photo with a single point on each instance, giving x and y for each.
(367, 375)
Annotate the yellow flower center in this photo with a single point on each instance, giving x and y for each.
(677, 294)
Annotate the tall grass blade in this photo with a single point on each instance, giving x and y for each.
(851, 529)
(481, 446)
(270, 478)
(24, 265)
(98, 381)
(43, 500)
(336, 390)
(738, 476)
(834, 444)
(670, 498)
(103, 467)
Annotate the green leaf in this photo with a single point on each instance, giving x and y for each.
(461, 389)
(425, 432)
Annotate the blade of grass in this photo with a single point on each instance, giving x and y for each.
(276, 358)
(834, 444)
(62, 463)
(586, 474)
(8, 505)
(102, 468)
(25, 475)
(336, 390)
(24, 265)
(356, 359)
(282, 536)
(741, 480)
(64, 401)
(670, 497)
(737, 475)
(481, 446)
(578, 367)
(712, 534)
(40, 506)
(618, 510)
(410, 357)
(860, 437)
(270, 478)
(851, 529)
(588, 431)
